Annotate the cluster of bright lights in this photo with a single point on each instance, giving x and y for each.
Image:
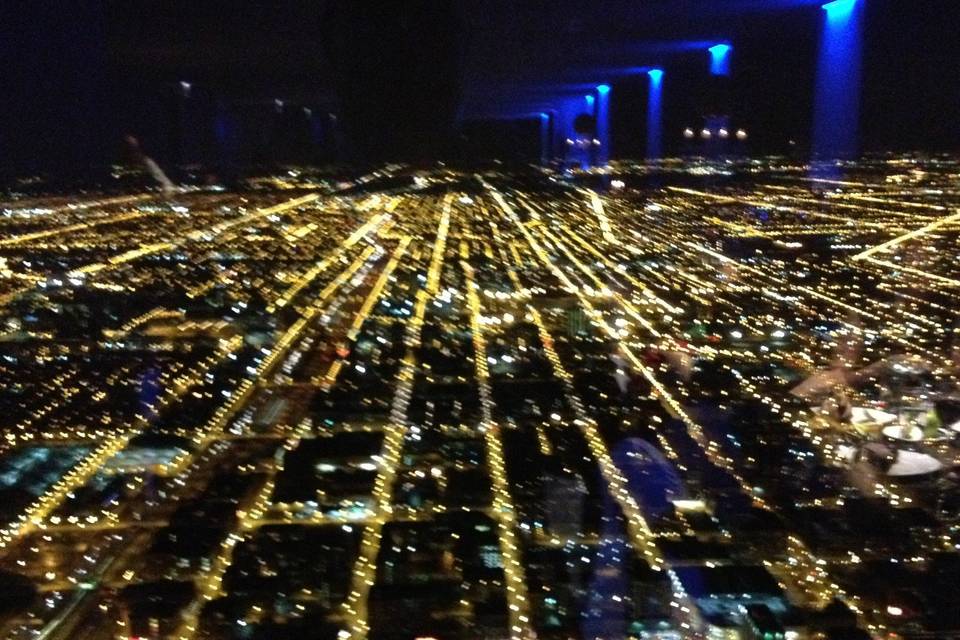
(641, 534)
(364, 570)
(813, 579)
(640, 275)
(503, 509)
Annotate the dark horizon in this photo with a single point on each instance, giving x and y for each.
(341, 81)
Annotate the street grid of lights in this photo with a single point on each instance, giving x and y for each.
(654, 275)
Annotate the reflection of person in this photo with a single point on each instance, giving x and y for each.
(844, 409)
(133, 148)
(837, 405)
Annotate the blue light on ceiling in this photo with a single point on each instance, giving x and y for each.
(720, 59)
(839, 9)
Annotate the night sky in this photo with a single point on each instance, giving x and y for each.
(401, 77)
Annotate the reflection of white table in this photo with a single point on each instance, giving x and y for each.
(913, 463)
(863, 415)
(955, 426)
(903, 434)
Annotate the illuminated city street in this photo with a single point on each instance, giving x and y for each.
(497, 405)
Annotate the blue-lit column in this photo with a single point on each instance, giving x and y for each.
(545, 139)
(655, 114)
(603, 123)
(584, 148)
(720, 59)
(837, 102)
(590, 102)
(567, 111)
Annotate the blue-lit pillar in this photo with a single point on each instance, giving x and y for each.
(545, 139)
(316, 129)
(655, 114)
(720, 59)
(567, 111)
(571, 108)
(603, 123)
(837, 101)
(584, 151)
